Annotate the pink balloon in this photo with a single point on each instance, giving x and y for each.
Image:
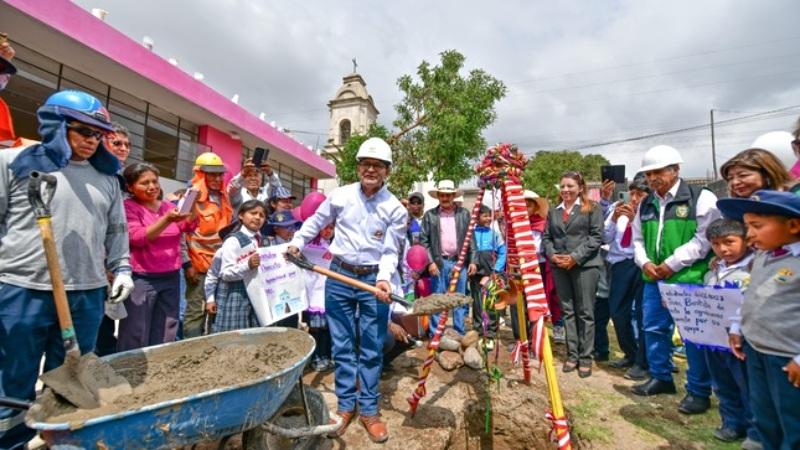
(310, 204)
(417, 258)
(296, 213)
(423, 287)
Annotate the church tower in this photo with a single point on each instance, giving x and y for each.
(352, 111)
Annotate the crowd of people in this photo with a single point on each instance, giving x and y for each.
(136, 260)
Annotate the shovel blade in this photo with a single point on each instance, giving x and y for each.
(435, 303)
(87, 383)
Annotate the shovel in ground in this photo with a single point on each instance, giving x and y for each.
(421, 306)
(85, 381)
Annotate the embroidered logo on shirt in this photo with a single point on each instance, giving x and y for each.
(378, 234)
(682, 211)
(783, 276)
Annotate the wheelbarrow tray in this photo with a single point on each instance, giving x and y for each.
(206, 416)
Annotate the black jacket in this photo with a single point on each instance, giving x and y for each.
(430, 235)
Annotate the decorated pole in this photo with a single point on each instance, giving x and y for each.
(433, 345)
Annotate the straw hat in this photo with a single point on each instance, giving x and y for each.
(543, 204)
(445, 187)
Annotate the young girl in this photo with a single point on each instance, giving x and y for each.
(239, 260)
(155, 232)
(317, 252)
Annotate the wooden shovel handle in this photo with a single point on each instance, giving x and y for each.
(59, 293)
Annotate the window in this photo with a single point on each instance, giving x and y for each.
(344, 131)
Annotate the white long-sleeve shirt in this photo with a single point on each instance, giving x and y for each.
(612, 235)
(235, 258)
(688, 253)
(368, 229)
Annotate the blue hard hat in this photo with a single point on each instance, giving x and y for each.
(80, 106)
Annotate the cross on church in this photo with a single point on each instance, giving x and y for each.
(355, 66)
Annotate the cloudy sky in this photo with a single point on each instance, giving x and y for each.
(578, 73)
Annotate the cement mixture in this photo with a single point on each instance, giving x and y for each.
(183, 369)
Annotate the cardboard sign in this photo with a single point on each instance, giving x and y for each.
(279, 289)
(702, 313)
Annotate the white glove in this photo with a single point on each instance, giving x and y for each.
(121, 288)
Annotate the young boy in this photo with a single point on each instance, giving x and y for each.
(491, 251)
(768, 334)
(729, 374)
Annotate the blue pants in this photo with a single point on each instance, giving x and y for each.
(729, 377)
(439, 285)
(601, 317)
(626, 287)
(698, 378)
(658, 328)
(774, 400)
(353, 369)
(28, 330)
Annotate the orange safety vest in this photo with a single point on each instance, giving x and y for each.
(6, 124)
(204, 241)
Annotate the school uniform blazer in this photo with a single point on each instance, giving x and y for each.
(580, 237)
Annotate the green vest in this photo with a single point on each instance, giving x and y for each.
(680, 225)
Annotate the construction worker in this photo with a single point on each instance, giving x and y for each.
(91, 237)
(670, 245)
(370, 228)
(214, 212)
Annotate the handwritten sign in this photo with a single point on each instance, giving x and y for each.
(702, 313)
(279, 288)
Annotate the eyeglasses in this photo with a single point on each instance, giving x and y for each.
(371, 165)
(119, 143)
(415, 202)
(87, 132)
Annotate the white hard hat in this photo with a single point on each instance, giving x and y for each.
(779, 143)
(375, 148)
(659, 157)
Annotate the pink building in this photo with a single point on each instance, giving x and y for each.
(171, 116)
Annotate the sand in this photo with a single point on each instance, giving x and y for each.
(438, 302)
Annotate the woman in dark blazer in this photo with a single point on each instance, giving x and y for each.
(571, 243)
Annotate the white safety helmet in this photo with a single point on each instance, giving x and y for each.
(375, 148)
(659, 157)
(779, 143)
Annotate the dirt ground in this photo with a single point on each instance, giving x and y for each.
(603, 413)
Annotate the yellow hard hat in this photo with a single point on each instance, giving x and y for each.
(210, 162)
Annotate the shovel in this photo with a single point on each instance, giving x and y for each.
(85, 381)
(421, 306)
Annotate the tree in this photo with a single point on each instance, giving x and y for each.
(544, 170)
(438, 126)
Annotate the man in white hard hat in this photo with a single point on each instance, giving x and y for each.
(370, 228)
(670, 246)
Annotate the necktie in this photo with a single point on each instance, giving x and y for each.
(564, 216)
(627, 237)
(779, 252)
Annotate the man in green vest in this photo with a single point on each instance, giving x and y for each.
(670, 246)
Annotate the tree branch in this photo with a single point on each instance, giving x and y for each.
(420, 121)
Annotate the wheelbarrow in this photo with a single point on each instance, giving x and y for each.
(259, 409)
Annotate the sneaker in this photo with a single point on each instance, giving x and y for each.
(636, 373)
(751, 444)
(694, 405)
(559, 335)
(729, 434)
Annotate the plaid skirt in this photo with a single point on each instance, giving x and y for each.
(234, 311)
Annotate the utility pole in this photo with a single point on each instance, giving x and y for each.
(713, 146)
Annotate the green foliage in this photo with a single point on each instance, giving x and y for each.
(544, 170)
(438, 127)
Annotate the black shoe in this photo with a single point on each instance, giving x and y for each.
(694, 405)
(636, 373)
(654, 387)
(729, 434)
(623, 363)
(600, 356)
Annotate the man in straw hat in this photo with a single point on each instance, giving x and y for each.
(444, 229)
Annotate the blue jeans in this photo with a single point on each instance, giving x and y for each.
(729, 377)
(353, 369)
(29, 329)
(698, 378)
(439, 285)
(774, 400)
(658, 328)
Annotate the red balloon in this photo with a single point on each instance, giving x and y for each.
(310, 204)
(417, 258)
(423, 287)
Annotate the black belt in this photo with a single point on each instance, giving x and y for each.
(356, 269)
(450, 258)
